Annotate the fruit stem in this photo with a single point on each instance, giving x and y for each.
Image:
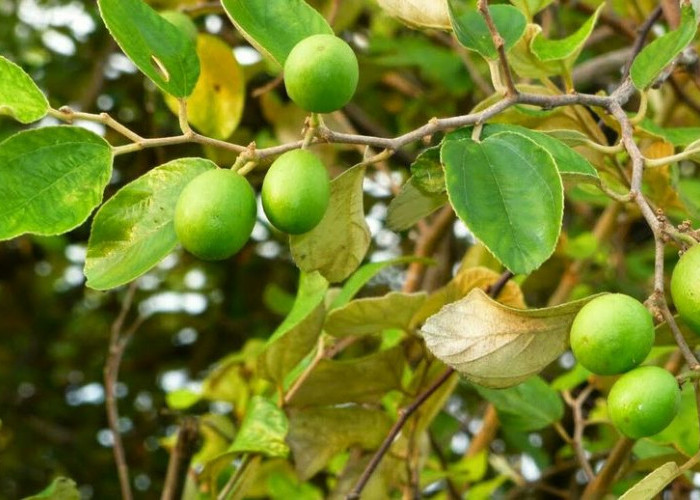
(312, 124)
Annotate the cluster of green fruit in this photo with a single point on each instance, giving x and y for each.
(614, 333)
(216, 212)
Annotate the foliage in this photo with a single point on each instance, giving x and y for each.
(493, 174)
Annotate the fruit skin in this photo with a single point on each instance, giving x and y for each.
(321, 73)
(215, 214)
(612, 334)
(685, 287)
(296, 191)
(644, 401)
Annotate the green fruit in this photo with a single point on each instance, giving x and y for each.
(685, 287)
(321, 73)
(296, 191)
(215, 214)
(644, 401)
(611, 334)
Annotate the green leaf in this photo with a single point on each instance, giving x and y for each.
(274, 27)
(133, 230)
(571, 138)
(495, 345)
(653, 483)
(182, 399)
(61, 488)
(263, 430)
(336, 247)
(662, 51)
(529, 406)
(20, 98)
(52, 179)
(318, 434)
(508, 191)
(427, 172)
(472, 32)
(530, 7)
(216, 104)
(678, 136)
(567, 49)
(360, 277)
(418, 13)
(297, 334)
(361, 380)
(372, 315)
(571, 165)
(163, 52)
(411, 205)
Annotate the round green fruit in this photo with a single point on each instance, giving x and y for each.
(321, 73)
(215, 214)
(685, 287)
(644, 401)
(296, 191)
(612, 334)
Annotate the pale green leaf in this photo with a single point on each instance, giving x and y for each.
(508, 191)
(263, 430)
(530, 7)
(133, 230)
(662, 51)
(678, 136)
(274, 27)
(472, 32)
(61, 488)
(318, 434)
(529, 406)
(653, 483)
(372, 315)
(419, 13)
(495, 345)
(182, 399)
(336, 247)
(162, 51)
(411, 205)
(216, 104)
(20, 98)
(52, 179)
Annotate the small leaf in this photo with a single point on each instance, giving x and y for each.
(571, 138)
(61, 488)
(567, 49)
(529, 406)
(419, 13)
(495, 345)
(361, 380)
(678, 136)
(372, 315)
(216, 104)
(274, 27)
(20, 98)
(472, 32)
(508, 191)
(133, 230)
(52, 179)
(162, 51)
(182, 399)
(360, 277)
(297, 334)
(336, 247)
(530, 7)
(662, 51)
(411, 205)
(263, 430)
(653, 483)
(427, 173)
(318, 434)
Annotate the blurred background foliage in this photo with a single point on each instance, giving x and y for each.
(54, 331)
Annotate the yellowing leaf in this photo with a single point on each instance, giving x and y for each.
(495, 345)
(216, 104)
(420, 13)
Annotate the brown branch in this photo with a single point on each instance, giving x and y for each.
(483, 6)
(576, 405)
(487, 433)
(180, 458)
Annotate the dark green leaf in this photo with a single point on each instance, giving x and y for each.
(411, 205)
(134, 230)
(662, 51)
(427, 173)
(529, 406)
(52, 179)
(263, 430)
(508, 191)
(162, 51)
(472, 32)
(20, 98)
(275, 26)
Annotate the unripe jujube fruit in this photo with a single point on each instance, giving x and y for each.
(685, 287)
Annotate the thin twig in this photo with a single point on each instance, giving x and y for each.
(180, 458)
(687, 352)
(579, 426)
(642, 33)
(483, 6)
